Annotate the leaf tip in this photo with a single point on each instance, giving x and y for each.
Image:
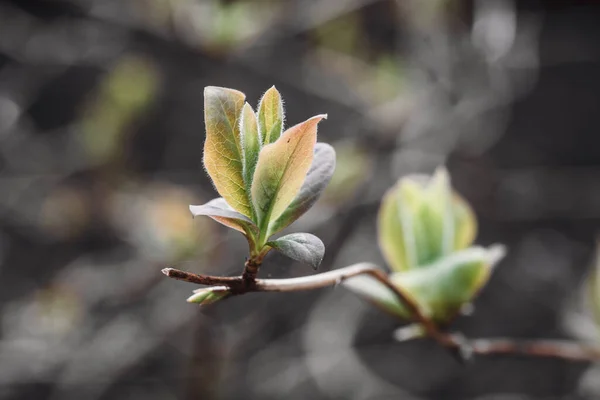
(205, 296)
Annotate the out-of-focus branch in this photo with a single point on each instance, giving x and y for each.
(564, 349)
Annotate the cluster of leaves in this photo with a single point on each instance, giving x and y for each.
(267, 177)
(426, 231)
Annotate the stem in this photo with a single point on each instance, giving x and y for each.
(207, 280)
(251, 270)
(325, 279)
(562, 349)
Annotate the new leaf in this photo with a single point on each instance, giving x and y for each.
(270, 116)
(280, 171)
(421, 220)
(223, 154)
(318, 177)
(250, 143)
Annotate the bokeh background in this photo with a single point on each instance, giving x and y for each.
(101, 134)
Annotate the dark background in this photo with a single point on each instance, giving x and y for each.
(101, 133)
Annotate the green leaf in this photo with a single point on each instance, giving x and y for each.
(220, 211)
(442, 288)
(270, 116)
(422, 220)
(302, 247)
(439, 290)
(209, 295)
(251, 143)
(378, 294)
(223, 155)
(281, 169)
(316, 180)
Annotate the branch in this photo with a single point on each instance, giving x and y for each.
(238, 285)
(567, 350)
(564, 349)
(206, 280)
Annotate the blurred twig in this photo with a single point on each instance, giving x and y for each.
(564, 349)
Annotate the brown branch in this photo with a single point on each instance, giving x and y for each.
(563, 349)
(206, 280)
(251, 268)
(325, 279)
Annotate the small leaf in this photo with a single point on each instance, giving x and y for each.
(223, 157)
(316, 180)
(251, 143)
(220, 211)
(281, 169)
(209, 295)
(441, 289)
(391, 232)
(422, 220)
(270, 116)
(302, 247)
(378, 294)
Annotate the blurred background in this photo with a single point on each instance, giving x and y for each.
(101, 135)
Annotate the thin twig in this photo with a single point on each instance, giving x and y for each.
(207, 280)
(563, 349)
(325, 279)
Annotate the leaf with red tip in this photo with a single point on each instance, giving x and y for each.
(281, 169)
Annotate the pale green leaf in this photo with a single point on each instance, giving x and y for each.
(442, 288)
(422, 220)
(439, 291)
(251, 143)
(270, 116)
(209, 295)
(378, 294)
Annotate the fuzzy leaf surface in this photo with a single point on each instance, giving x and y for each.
(250, 143)
(270, 116)
(223, 157)
(302, 247)
(319, 175)
(281, 169)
